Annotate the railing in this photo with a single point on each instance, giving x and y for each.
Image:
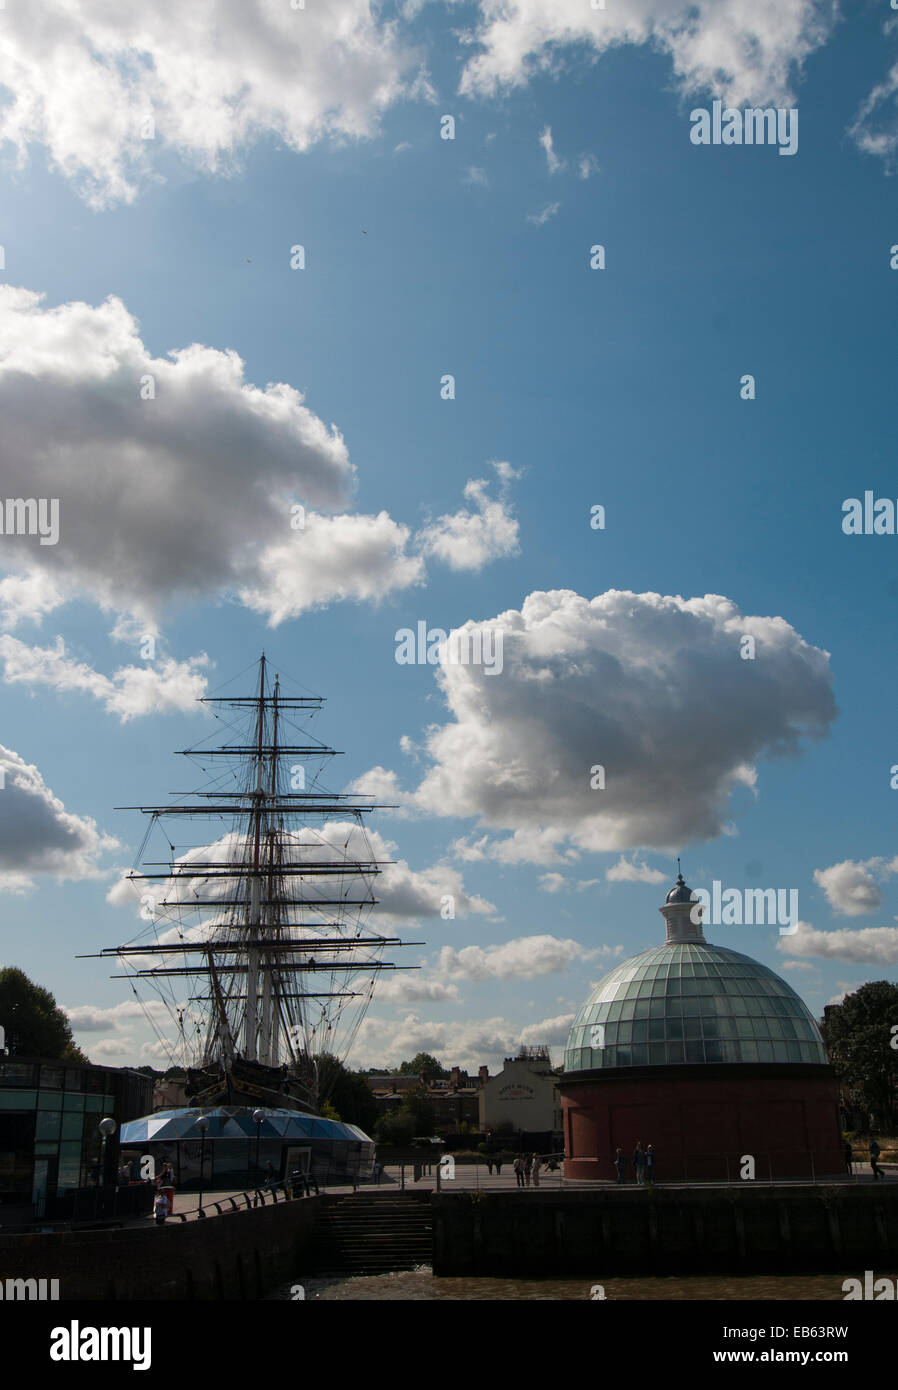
(796, 1166)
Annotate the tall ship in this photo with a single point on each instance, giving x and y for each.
(258, 936)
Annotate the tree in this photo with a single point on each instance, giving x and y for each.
(423, 1062)
(858, 1033)
(419, 1107)
(35, 1027)
(347, 1092)
(396, 1128)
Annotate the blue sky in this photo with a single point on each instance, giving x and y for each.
(620, 387)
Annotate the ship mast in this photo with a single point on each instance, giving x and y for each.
(263, 931)
(254, 925)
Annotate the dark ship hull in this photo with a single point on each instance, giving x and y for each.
(244, 1083)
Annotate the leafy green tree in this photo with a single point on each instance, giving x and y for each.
(35, 1027)
(347, 1092)
(423, 1062)
(396, 1128)
(858, 1033)
(418, 1105)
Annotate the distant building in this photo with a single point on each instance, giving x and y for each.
(524, 1094)
(455, 1098)
(169, 1093)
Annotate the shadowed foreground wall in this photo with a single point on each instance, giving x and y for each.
(240, 1255)
(650, 1231)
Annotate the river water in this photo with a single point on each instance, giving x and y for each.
(419, 1285)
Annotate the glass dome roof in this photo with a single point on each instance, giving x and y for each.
(236, 1122)
(689, 1002)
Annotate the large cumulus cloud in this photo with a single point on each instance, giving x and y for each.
(177, 478)
(213, 75)
(37, 834)
(650, 687)
(743, 53)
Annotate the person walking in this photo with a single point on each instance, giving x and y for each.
(874, 1155)
(498, 1166)
(650, 1163)
(528, 1165)
(639, 1162)
(160, 1208)
(848, 1157)
(619, 1163)
(536, 1164)
(518, 1167)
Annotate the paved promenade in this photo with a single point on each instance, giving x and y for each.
(469, 1176)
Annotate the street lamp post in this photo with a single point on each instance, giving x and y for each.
(258, 1116)
(107, 1127)
(202, 1125)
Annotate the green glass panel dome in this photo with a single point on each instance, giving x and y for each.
(689, 1002)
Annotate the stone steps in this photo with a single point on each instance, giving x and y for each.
(369, 1234)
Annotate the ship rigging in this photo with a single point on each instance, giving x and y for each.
(259, 946)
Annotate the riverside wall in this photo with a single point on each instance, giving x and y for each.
(650, 1231)
(238, 1255)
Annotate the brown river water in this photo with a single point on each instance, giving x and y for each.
(419, 1285)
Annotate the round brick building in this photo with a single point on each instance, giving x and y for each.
(705, 1054)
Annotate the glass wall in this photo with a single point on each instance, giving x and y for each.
(52, 1111)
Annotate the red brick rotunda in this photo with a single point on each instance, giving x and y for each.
(705, 1054)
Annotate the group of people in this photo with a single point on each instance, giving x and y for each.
(643, 1163)
(526, 1169)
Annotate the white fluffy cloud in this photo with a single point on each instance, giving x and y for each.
(875, 945)
(338, 557)
(557, 883)
(468, 539)
(743, 53)
(38, 835)
(851, 887)
(27, 597)
(131, 691)
(625, 871)
(413, 988)
(521, 959)
(214, 76)
(403, 893)
(467, 1043)
(87, 1018)
(113, 1050)
(155, 498)
(651, 688)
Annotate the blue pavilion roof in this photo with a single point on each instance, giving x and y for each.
(236, 1122)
